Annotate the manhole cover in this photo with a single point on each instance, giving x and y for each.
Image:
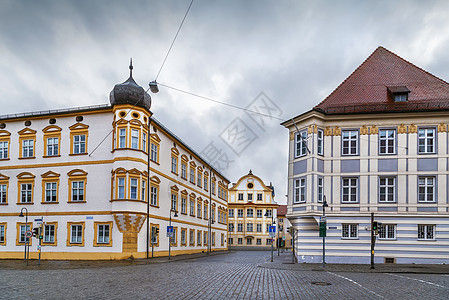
(320, 283)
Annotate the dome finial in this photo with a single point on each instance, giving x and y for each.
(131, 67)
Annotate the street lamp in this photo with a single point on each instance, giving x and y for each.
(26, 229)
(272, 223)
(324, 234)
(171, 236)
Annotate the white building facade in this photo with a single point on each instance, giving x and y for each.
(88, 174)
(378, 144)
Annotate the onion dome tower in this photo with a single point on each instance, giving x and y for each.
(129, 92)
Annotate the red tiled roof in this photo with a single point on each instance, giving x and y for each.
(282, 210)
(367, 88)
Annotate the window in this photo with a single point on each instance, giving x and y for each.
(192, 176)
(268, 241)
(240, 196)
(154, 235)
(134, 139)
(49, 234)
(77, 190)
(22, 229)
(230, 241)
(249, 241)
(426, 232)
(51, 192)
(240, 227)
(320, 142)
(200, 179)
(174, 202)
(387, 232)
(27, 148)
(320, 189)
(349, 142)
(349, 189)
(103, 234)
(249, 227)
(192, 237)
(387, 141)
(259, 213)
(259, 197)
(174, 238)
(121, 188)
(250, 197)
(231, 212)
(143, 192)
(258, 241)
(174, 164)
(199, 237)
(75, 234)
(122, 138)
(231, 227)
(213, 187)
(426, 189)
(301, 144)
(144, 141)
(192, 207)
(79, 144)
(239, 241)
(387, 187)
(183, 236)
(349, 231)
(183, 170)
(199, 209)
(154, 196)
(4, 146)
(205, 235)
(3, 193)
(259, 227)
(205, 182)
(213, 238)
(26, 191)
(400, 97)
(2, 233)
(268, 228)
(300, 190)
(240, 213)
(249, 212)
(52, 146)
(426, 140)
(133, 188)
(154, 152)
(183, 205)
(205, 212)
(269, 213)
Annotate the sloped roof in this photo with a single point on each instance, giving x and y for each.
(369, 87)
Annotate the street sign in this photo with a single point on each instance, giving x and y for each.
(29, 234)
(272, 229)
(169, 231)
(37, 220)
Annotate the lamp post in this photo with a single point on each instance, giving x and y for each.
(272, 223)
(26, 229)
(324, 235)
(171, 234)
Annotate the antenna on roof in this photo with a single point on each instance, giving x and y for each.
(131, 67)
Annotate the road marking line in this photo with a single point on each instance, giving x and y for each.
(420, 280)
(356, 283)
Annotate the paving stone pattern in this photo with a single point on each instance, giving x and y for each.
(238, 275)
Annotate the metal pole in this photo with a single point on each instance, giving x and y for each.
(169, 239)
(209, 225)
(273, 238)
(40, 240)
(293, 244)
(372, 241)
(148, 188)
(26, 238)
(278, 242)
(324, 238)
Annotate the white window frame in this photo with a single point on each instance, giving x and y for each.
(258, 227)
(192, 176)
(349, 142)
(423, 188)
(2, 233)
(250, 197)
(153, 154)
(387, 143)
(144, 141)
(300, 190)
(240, 227)
(231, 213)
(301, 143)
(426, 232)
(153, 195)
(426, 140)
(174, 200)
(26, 192)
(23, 229)
(249, 227)
(79, 144)
(240, 213)
(122, 138)
(51, 192)
(259, 213)
(4, 149)
(183, 205)
(134, 138)
(174, 164)
(3, 193)
(350, 231)
(52, 146)
(76, 234)
(134, 184)
(320, 142)
(49, 233)
(387, 189)
(320, 187)
(387, 232)
(103, 233)
(77, 190)
(27, 148)
(348, 190)
(249, 213)
(121, 188)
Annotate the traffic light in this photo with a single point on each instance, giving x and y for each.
(375, 227)
(156, 231)
(36, 232)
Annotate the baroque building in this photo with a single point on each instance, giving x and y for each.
(378, 144)
(106, 181)
(252, 210)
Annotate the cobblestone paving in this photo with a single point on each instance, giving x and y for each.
(236, 275)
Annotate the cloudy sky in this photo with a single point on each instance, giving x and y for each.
(59, 54)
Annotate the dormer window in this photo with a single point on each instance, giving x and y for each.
(399, 93)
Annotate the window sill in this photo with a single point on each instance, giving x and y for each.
(50, 202)
(47, 156)
(27, 157)
(4, 203)
(102, 244)
(3, 159)
(76, 201)
(174, 173)
(77, 154)
(25, 203)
